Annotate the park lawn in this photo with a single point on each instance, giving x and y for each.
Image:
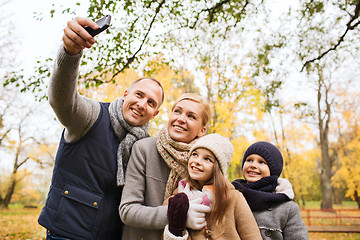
(21, 223)
(316, 205)
(334, 236)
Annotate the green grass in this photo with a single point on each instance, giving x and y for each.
(20, 223)
(316, 205)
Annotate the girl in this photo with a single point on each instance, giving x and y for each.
(277, 216)
(230, 216)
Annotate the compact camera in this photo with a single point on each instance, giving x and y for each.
(103, 23)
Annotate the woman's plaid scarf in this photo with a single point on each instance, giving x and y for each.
(175, 154)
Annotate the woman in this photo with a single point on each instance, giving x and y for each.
(156, 165)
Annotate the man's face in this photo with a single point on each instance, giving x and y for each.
(141, 102)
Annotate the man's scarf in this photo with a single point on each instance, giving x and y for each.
(260, 195)
(127, 135)
(175, 154)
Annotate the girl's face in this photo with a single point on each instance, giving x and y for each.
(185, 121)
(201, 165)
(255, 168)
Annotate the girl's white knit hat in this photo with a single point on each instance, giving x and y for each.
(220, 146)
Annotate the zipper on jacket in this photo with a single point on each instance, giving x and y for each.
(103, 222)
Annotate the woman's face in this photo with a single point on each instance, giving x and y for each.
(185, 122)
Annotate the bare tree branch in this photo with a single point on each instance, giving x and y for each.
(132, 58)
(4, 135)
(213, 10)
(211, 13)
(4, 111)
(349, 26)
(22, 162)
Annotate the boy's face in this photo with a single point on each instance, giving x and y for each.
(201, 165)
(255, 168)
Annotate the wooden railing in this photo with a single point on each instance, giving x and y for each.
(332, 220)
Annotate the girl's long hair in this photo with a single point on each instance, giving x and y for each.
(221, 193)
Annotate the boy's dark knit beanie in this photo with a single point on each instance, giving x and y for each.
(270, 153)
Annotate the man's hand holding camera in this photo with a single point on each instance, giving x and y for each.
(75, 37)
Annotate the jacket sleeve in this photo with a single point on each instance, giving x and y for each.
(295, 227)
(244, 220)
(74, 111)
(169, 236)
(132, 209)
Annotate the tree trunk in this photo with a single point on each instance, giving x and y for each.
(9, 192)
(303, 200)
(338, 194)
(326, 163)
(357, 198)
(326, 202)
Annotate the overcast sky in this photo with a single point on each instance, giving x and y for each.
(38, 38)
(34, 40)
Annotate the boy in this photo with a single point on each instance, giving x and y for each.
(276, 215)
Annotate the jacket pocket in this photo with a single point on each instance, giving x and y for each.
(78, 210)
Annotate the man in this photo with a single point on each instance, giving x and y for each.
(90, 164)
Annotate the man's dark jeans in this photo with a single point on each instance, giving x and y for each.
(52, 236)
